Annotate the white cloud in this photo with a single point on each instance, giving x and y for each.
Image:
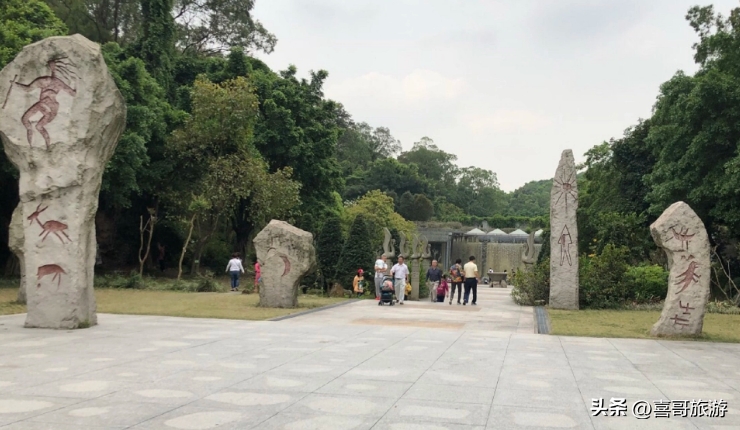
(419, 85)
(505, 120)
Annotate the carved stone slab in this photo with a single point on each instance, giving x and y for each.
(564, 235)
(60, 121)
(681, 234)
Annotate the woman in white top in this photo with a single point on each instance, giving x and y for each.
(381, 269)
(234, 268)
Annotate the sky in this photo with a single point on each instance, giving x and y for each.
(505, 85)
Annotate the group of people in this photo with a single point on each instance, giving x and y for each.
(440, 283)
(235, 268)
(445, 284)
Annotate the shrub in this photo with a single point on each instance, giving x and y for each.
(646, 284)
(357, 253)
(532, 287)
(206, 283)
(602, 278)
(133, 281)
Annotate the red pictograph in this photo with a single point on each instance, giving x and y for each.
(62, 74)
(680, 321)
(683, 236)
(687, 277)
(48, 227)
(50, 269)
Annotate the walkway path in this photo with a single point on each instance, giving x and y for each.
(422, 366)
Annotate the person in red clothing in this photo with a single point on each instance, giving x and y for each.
(442, 289)
(257, 276)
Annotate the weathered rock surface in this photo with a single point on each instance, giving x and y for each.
(60, 121)
(15, 243)
(564, 235)
(286, 254)
(681, 234)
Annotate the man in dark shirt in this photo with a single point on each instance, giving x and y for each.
(434, 276)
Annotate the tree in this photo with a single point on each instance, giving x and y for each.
(329, 246)
(218, 165)
(436, 166)
(156, 44)
(209, 26)
(406, 205)
(298, 129)
(357, 252)
(386, 174)
(423, 209)
(478, 192)
(377, 208)
(531, 199)
(23, 22)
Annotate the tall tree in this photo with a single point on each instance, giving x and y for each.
(357, 252)
(329, 246)
(157, 42)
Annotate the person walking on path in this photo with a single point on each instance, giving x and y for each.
(471, 281)
(358, 284)
(434, 276)
(456, 273)
(442, 289)
(400, 273)
(381, 268)
(234, 268)
(257, 276)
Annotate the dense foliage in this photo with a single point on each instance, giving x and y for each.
(357, 253)
(216, 144)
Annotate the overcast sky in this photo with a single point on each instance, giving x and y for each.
(505, 85)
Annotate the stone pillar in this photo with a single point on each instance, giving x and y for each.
(414, 279)
(414, 269)
(60, 121)
(286, 255)
(681, 234)
(564, 235)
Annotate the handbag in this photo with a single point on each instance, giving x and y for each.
(408, 288)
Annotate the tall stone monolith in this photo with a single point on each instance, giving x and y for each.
(564, 235)
(681, 234)
(286, 254)
(60, 121)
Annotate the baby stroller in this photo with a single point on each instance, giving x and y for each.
(386, 291)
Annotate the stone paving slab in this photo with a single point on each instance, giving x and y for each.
(419, 366)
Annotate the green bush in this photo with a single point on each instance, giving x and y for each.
(602, 278)
(532, 287)
(646, 284)
(206, 284)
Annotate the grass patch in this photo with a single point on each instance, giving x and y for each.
(636, 324)
(8, 305)
(179, 304)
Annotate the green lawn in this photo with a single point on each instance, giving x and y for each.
(179, 304)
(636, 324)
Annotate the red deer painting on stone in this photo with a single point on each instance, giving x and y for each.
(48, 227)
(62, 74)
(50, 269)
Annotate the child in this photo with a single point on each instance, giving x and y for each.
(359, 283)
(442, 289)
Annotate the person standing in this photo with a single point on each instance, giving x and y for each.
(381, 268)
(400, 273)
(471, 280)
(434, 275)
(257, 276)
(456, 273)
(234, 268)
(160, 256)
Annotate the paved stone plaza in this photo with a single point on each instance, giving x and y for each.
(420, 366)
